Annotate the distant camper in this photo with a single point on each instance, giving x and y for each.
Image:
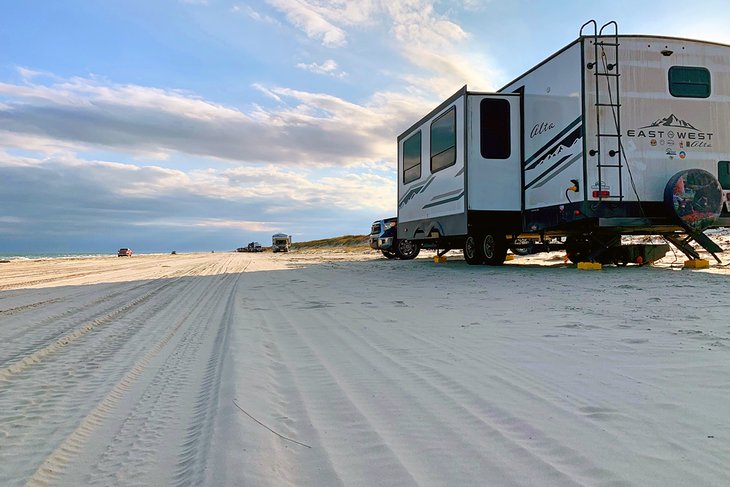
(280, 242)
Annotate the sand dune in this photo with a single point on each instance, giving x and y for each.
(337, 368)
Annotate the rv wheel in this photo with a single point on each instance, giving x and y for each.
(577, 249)
(407, 249)
(472, 251)
(494, 247)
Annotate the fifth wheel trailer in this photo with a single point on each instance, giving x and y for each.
(612, 135)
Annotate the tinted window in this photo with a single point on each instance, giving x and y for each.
(689, 82)
(412, 158)
(443, 141)
(723, 174)
(495, 128)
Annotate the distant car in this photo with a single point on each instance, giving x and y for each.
(124, 253)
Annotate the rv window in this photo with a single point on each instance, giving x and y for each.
(412, 158)
(689, 82)
(723, 174)
(443, 141)
(495, 128)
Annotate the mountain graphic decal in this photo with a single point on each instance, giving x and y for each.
(671, 121)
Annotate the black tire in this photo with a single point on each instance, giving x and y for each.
(494, 248)
(577, 249)
(407, 249)
(473, 254)
(388, 254)
(521, 246)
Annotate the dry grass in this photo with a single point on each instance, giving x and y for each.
(346, 243)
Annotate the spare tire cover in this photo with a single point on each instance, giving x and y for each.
(694, 196)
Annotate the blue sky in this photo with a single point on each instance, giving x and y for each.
(206, 124)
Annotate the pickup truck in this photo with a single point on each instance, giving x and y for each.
(252, 247)
(384, 237)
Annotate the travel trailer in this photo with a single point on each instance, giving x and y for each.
(612, 135)
(280, 242)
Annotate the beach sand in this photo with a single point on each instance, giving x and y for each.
(325, 368)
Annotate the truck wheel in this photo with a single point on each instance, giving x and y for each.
(388, 254)
(521, 246)
(406, 249)
(473, 254)
(494, 248)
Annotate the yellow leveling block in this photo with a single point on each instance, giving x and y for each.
(696, 264)
(439, 259)
(594, 266)
(509, 257)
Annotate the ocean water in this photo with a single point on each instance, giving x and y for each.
(50, 255)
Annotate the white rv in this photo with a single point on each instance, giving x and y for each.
(612, 135)
(280, 242)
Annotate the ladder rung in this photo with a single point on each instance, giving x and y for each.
(608, 135)
(609, 165)
(607, 104)
(615, 75)
(603, 43)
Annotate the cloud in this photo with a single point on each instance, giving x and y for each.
(328, 67)
(311, 20)
(303, 129)
(432, 44)
(64, 200)
(255, 14)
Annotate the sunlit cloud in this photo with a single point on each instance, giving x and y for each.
(328, 67)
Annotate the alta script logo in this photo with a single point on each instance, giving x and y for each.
(671, 130)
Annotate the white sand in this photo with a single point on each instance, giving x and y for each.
(131, 371)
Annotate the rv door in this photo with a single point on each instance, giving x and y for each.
(494, 153)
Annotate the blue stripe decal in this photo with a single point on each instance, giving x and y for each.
(554, 140)
(565, 166)
(430, 205)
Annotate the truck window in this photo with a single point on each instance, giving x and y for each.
(443, 141)
(689, 82)
(412, 158)
(495, 128)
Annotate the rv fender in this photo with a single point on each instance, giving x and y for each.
(434, 226)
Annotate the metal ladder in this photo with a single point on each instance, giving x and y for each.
(604, 69)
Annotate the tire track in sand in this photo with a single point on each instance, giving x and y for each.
(335, 405)
(143, 436)
(476, 418)
(19, 363)
(56, 462)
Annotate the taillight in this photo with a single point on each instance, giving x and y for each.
(601, 194)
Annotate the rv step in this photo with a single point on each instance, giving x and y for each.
(703, 240)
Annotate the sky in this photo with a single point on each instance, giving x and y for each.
(207, 124)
